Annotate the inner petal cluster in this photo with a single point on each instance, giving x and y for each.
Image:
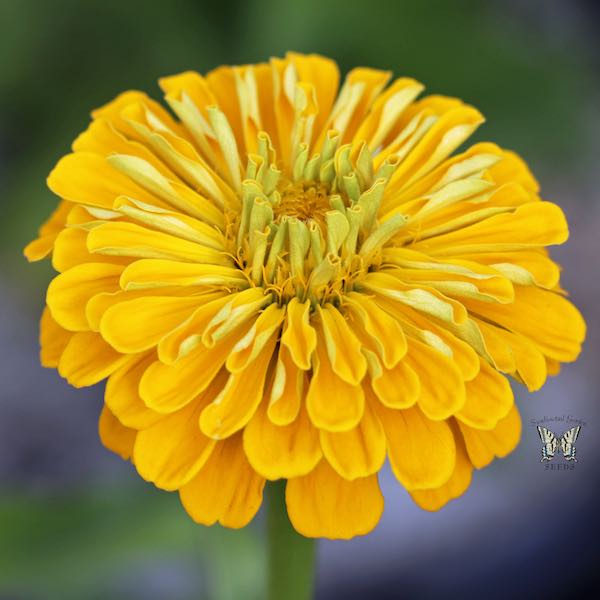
(308, 230)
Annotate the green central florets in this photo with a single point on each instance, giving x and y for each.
(309, 230)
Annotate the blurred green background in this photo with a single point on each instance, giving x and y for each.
(76, 522)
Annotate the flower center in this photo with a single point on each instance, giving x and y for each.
(311, 230)
(304, 200)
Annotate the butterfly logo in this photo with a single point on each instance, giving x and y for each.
(566, 442)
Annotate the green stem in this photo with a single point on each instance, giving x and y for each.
(291, 556)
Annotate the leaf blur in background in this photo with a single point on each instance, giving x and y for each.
(73, 522)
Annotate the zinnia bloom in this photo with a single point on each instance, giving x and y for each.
(283, 280)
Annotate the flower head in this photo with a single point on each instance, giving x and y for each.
(285, 280)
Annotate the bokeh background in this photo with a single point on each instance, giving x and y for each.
(75, 521)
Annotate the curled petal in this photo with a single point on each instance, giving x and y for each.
(287, 389)
(343, 347)
(299, 335)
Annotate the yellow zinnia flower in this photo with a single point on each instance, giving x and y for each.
(287, 281)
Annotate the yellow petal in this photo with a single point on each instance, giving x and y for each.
(154, 273)
(495, 346)
(358, 452)
(422, 452)
(42, 246)
(181, 156)
(116, 437)
(226, 490)
(448, 132)
(138, 325)
(167, 388)
(426, 300)
(70, 250)
(323, 504)
(172, 451)
(239, 399)
(287, 390)
(343, 347)
(530, 225)
(525, 267)
(456, 486)
(199, 213)
(461, 353)
(552, 366)
(324, 74)
(248, 348)
(113, 112)
(187, 336)
(281, 451)
(284, 85)
(442, 386)
(384, 331)
(299, 336)
(513, 168)
(88, 359)
(550, 321)
(472, 162)
(530, 363)
(399, 387)
(263, 74)
(144, 110)
(86, 217)
(189, 96)
(489, 398)
(488, 287)
(192, 83)
(332, 403)
(172, 222)
(122, 394)
(53, 340)
(386, 111)
(69, 292)
(128, 239)
(242, 307)
(100, 303)
(89, 179)
(221, 82)
(438, 337)
(102, 138)
(484, 445)
(361, 87)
